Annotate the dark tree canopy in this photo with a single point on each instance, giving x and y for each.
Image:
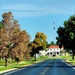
(66, 35)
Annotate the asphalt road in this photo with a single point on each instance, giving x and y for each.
(48, 67)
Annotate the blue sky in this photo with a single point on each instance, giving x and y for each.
(39, 15)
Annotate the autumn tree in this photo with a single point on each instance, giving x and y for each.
(40, 40)
(39, 43)
(1, 25)
(14, 42)
(3, 44)
(8, 25)
(0, 38)
(21, 41)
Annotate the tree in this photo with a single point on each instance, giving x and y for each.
(47, 44)
(52, 43)
(40, 40)
(66, 35)
(1, 25)
(13, 41)
(38, 43)
(20, 48)
(9, 24)
(1, 32)
(32, 47)
(3, 44)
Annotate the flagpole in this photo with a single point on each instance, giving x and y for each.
(53, 30)
(54, 38)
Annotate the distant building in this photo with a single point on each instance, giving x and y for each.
(54, 50)
(42, 52)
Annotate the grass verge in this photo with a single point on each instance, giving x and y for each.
(21, 64)
(14, 65)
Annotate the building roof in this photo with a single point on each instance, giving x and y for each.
(54, 46)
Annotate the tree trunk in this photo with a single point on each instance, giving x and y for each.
(10, 60)
(35, 55)
(6, 62)
(0, 58)
(72, 54)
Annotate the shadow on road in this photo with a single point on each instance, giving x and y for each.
(49, 64)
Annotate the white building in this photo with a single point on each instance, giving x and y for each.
(43, 52)
(54, 51)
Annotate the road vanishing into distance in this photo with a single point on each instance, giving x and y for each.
(47, 67)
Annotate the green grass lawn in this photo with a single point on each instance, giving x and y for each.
(24, 63)
(71, 62)
(19, 65)
(14, 64)
(69, 59)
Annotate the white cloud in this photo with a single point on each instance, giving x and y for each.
(26, 10)
(19, 7)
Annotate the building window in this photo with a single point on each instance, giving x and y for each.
(51, 53)
(57, 52)
(51, 49)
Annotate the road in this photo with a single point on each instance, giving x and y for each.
(47, 67)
